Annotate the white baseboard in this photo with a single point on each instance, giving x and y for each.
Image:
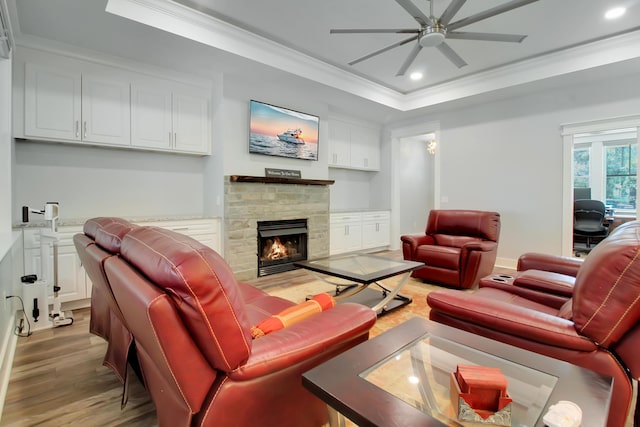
(7, 351)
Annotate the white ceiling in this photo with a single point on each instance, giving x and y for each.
(291, 37)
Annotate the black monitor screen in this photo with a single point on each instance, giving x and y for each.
(581, 193)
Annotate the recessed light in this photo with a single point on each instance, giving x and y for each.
(614, 13)
(416, 76)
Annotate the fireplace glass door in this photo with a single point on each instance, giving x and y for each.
(280, 244)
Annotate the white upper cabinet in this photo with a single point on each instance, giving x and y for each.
(353, 146)
(339, 143)
(190, 121)
(169, 116)
(80, 101)
(52, 102)
(106, 113)
(69, 105)
(151, 115)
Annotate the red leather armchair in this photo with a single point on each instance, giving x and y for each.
(458, 247)
(191, 322)
(597, 328)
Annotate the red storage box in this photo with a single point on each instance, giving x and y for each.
(479, 394)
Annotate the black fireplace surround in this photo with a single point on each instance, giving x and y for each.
(280, 244)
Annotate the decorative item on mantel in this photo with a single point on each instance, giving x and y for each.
(282, 173)
(479, 394)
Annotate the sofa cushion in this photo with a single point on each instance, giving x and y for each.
(453, 240)
(294, 314)
(439, 256)
(203, 288)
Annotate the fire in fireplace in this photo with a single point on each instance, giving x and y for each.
(280, 244)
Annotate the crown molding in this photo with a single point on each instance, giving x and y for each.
(198, 26)
(195, 25)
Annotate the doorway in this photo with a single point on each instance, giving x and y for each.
(600, 163)
(415, 178)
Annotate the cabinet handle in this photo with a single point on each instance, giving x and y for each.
(175, 138)
(77, 129)
(180, 229)
(85, 129)
(170, 139)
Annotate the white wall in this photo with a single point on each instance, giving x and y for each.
(92, 181)
(416, 179)
(351, 190)
(238, 161)
(5, 145)
(507, 156)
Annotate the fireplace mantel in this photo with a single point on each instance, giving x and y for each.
(276, 180)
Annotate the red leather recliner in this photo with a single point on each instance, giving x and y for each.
(191, 321)
(598, 328)
(101, 240)
(458, 248)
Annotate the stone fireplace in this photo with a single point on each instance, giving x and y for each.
(263, 200)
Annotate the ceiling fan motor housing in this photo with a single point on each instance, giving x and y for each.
(432, 36)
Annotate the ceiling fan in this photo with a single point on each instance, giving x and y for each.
(433, 31)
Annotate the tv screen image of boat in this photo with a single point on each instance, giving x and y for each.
(279, 131)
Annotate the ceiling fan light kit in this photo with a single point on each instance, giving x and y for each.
(433, 31)
(432, 36)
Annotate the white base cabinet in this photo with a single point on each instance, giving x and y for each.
(75, 285)
(359, 231)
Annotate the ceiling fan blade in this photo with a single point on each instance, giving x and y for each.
(451, 11)
(407, 62)
(378, 52)
(490, 37)
(373, 31)
(451, 55)
(514, 4)
(415, 12)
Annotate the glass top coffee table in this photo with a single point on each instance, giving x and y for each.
(402, 378)
(360, 271)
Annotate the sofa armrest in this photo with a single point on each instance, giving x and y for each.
(411, 242)
(485, 308)
(310, 341)
(483, 246)
(546, 281)
(552, 263)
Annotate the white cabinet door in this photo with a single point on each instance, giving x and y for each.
(191, 122)
(345, 232)
(339, 143)
(106, 112)
(151, 116)
(365, 148)
(376, 229)
(52, 102)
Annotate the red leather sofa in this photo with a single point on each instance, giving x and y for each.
(458, 247)
(548, 279)
(597, 327)
(191, 321)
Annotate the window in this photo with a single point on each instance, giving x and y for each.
(606, 162)
(621, 172)
(581, 167)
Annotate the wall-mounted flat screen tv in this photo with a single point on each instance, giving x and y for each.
(277, 131)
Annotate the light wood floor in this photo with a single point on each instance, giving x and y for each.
(58, 378)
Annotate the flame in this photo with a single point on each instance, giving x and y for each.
(275, 251)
